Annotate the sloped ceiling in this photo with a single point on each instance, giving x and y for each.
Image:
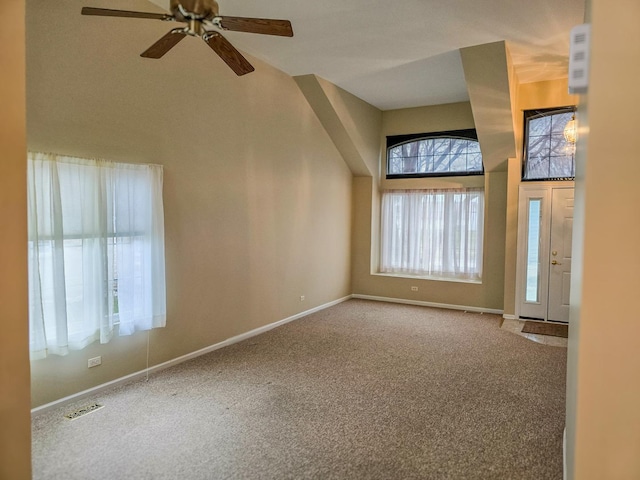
(405, 53)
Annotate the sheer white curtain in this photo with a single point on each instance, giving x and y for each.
(434, 233)
(96, 251)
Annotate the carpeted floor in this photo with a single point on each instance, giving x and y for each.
(362, 390)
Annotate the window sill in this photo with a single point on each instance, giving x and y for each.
(430, 278)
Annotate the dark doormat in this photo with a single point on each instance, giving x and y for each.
(544, 328)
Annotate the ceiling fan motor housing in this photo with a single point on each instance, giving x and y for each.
(185, 10)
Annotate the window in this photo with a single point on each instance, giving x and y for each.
(435, 154)
(548, 154)
(534, 239)
(96, 251)
(433, 233)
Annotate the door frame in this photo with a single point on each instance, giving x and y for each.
(527, 190)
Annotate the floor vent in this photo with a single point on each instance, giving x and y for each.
(83, 411)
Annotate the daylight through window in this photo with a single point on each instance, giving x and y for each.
(96, 251)
(548, 155)
(433, 233)
(435, 155)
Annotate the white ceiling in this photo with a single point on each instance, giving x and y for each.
(405, 53)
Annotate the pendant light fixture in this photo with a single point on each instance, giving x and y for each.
(571, 130)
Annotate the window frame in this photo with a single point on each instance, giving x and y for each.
(397, 140)
(57, 229)
(528, 115)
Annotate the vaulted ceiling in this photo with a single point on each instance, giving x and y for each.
(404, 53)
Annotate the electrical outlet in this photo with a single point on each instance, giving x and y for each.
(94, 362)
(302, 298)
(414, 289)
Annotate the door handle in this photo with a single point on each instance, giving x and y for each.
(555, 262)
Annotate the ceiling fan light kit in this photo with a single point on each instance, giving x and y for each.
(201, 16)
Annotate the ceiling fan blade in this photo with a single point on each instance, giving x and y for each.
(264, 26)
(166, 43)
(228, 53)
(105, 12)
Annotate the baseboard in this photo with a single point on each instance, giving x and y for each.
(156, 368)
(510, 317)
(429, 304)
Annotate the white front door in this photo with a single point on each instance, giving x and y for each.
(544, 251)
(560, 257)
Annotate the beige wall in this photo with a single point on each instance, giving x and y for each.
(603, 418)
(487, 295)
(514, 169)
(489, 76)
(15, 426)
(361, 120)
(354, 127)
(333, 107)
(257, 198)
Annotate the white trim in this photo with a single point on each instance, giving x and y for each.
(564, 454)
(510, 317)
(432, 278)
(156, 368)
(428, 304)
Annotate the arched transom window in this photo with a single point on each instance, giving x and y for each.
(433, 155)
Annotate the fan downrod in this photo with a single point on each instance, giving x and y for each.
(186, 10)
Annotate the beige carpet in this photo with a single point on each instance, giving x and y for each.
(363, 390)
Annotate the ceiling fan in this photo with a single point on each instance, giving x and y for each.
(200, 16)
